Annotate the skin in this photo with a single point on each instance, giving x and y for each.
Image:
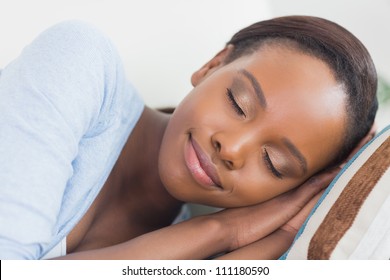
(302, 102)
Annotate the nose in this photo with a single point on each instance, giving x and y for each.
(232, 149)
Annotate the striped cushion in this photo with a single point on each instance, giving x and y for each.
(352, 218)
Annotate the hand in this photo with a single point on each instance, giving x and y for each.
(249, 224)
(292, 208)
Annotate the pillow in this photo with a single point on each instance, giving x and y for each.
(352, 218)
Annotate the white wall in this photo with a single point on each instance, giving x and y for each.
(161, 42)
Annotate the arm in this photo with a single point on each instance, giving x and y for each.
(225, 231)
(196, 238)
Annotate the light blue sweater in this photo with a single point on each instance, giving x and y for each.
(66, 111)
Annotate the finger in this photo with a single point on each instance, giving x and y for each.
(297, 221)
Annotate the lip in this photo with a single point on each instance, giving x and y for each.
(200, 165)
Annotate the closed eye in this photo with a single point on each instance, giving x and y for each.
(270, 165)
(234, 103)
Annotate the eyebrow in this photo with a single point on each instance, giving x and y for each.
(296, 153)
(256, 86)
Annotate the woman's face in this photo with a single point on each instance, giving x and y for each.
(252, 129)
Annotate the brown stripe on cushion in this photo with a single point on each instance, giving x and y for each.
(344, 211)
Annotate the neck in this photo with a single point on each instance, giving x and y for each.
(137, 166)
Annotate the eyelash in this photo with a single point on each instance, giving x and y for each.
(234, 103)
(270, 166)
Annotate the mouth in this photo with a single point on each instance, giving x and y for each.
(200, 165)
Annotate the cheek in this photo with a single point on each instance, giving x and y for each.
(188, 113)
(171, 163)
(262, 187)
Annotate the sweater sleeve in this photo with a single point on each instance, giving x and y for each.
(51, 96)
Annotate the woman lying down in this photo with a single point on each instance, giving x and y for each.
(87, 167)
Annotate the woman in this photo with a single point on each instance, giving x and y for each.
(87, 163)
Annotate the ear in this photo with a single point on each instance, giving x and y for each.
(211, 66)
